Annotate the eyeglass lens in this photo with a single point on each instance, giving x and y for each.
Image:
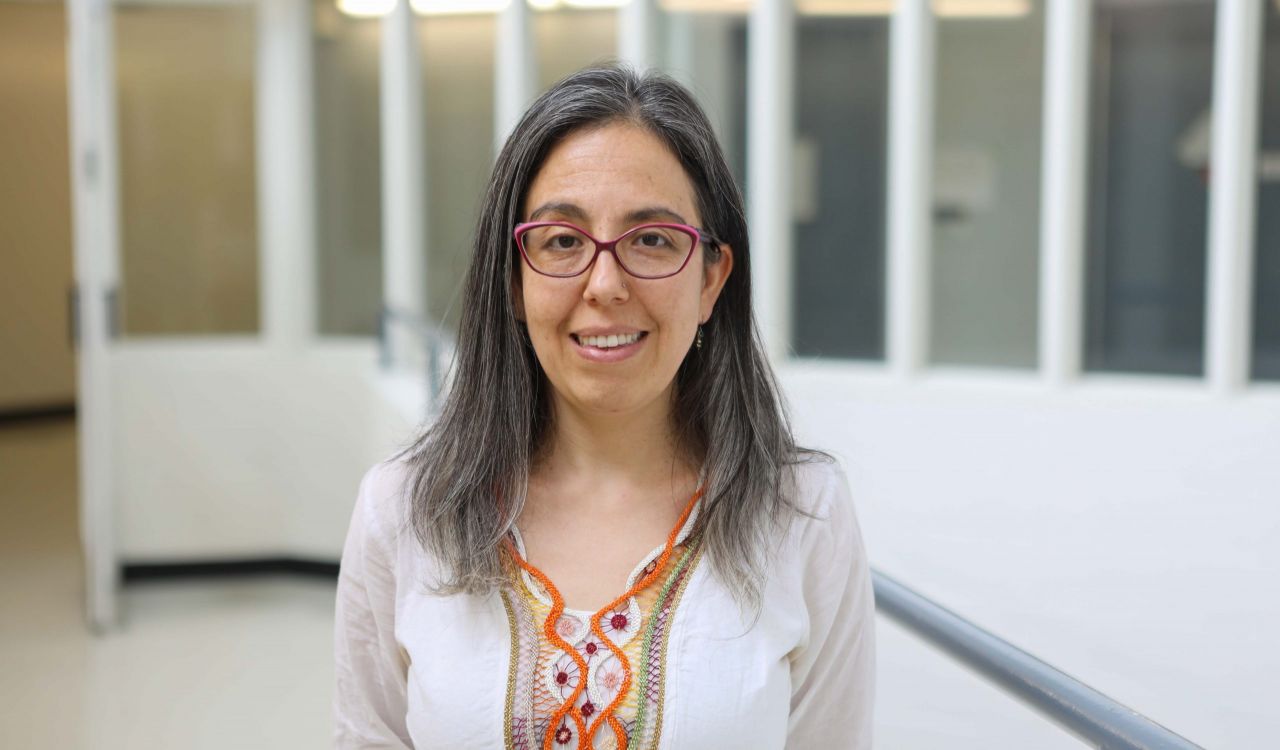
(643, 251)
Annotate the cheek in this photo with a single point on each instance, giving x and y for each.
(686, 300)
(545, 310)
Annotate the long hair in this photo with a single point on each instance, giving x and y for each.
(467, 473)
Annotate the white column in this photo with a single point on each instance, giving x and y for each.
(515, 70)
(404, 183)
(286, 172)
(638, 30)
(910, 200)
(1064, 152)
(95, 211)
(770, 128)
(1233, 185)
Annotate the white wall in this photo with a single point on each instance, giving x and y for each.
(229, 449)
(1124, 532)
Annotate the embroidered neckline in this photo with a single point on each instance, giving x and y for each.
(682, 530)
(644, 574)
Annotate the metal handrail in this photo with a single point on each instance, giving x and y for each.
(1073, 705)
(436, 342)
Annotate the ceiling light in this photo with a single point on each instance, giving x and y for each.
(942, 8)
(845, 7)
(981, 8)
(366, 8)
(706, 6)
(456, 7)
(579, 4)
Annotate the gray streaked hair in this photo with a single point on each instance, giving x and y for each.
(468, 472)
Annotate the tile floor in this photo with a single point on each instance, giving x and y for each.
(244, 664)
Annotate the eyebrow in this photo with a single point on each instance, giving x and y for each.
(574, 211)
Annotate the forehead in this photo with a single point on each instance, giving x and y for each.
(611, 170)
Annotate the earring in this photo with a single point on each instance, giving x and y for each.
(697, 342)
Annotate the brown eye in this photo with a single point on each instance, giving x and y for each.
(652, 240)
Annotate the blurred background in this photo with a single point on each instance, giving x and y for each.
(1018, 265)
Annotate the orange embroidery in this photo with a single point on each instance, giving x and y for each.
(551, 625)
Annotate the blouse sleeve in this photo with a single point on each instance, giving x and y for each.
(833, 676)
(371, 671)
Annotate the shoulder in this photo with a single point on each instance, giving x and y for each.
(382, 501)
(825, 520)
(821, 489)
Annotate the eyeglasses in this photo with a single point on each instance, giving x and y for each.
(647, 251)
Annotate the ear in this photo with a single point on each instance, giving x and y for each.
(714, 276)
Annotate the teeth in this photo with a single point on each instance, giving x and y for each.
(609, 342)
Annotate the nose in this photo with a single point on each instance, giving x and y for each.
(606, 281)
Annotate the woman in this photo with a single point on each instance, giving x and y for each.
(609, 537)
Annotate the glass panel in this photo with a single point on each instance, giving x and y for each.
(1152, 82)
(701, 51)
(568, 39)
(37, 362)
(189, 246)
(1266, 305)
(986, 184)
(842, 66)
(458, 54)
(348, 171)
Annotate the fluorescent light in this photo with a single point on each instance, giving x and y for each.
(981, 8)
(457, 7)
(943, 8)
(845, 7)
(366, 8)
(378, 8)
(580, 4)
(706, 6)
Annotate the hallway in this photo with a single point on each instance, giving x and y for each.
(239, 664)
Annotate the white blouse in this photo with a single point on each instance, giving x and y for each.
(421, 670)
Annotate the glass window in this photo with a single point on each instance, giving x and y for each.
(838, 174)
(348, 171)
(189, 240)
(458, 57)
(700, 50)
(1266, 305)
(842, 66)
(986, 185)
(1152, 86)
(568, 39)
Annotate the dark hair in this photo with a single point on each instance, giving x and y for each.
(468, 471)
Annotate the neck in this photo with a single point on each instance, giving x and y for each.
(637, 447)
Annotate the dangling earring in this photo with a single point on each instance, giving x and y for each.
(697, 342)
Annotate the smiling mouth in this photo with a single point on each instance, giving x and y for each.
(609, 342)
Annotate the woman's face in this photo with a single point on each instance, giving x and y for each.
(607, 180)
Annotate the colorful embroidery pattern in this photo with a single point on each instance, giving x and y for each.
(593, 681)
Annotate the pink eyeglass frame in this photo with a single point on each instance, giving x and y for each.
(697, 234)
